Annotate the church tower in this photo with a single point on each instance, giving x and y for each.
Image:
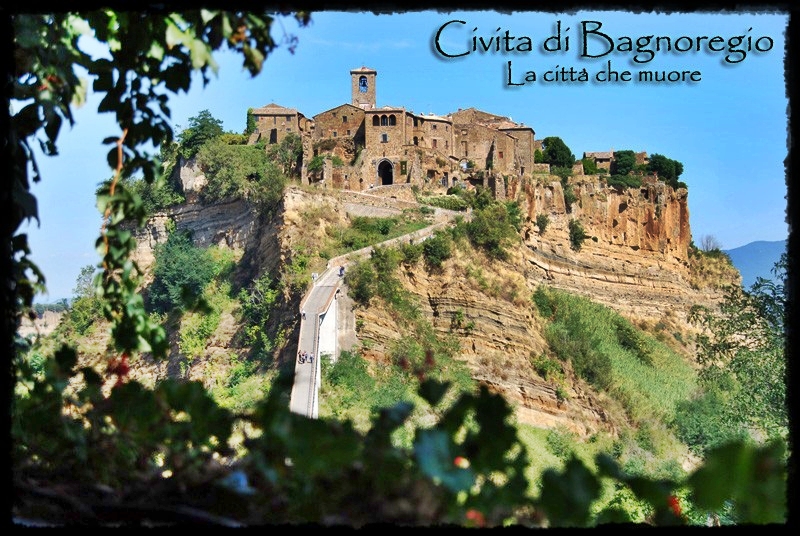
(362, 87)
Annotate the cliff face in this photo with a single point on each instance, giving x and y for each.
(634, 260)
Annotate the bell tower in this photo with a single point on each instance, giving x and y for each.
(362, 87)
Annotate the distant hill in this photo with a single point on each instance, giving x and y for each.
(756, 259)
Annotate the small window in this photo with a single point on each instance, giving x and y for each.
(348, 132)
(384, 138)
(362, 84)
(434, 127)
(288, 117)
(334, 133)
(434, 143)
(274, 119)
(500, 154)
(288, 129)
(344, 119)
(416, 140)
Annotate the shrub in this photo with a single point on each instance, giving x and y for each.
(514, 214)
(562, 171)
(492, 230)
(315, 164)
(181, 272)
(543, 302)
(542, 221)
(569, 195)
(559, 442)
(411, 252)
(624, 181)
(546, 367)
(360, 280)
(630, 339)
(576, 234)
(437, 249)
(157, 195)
(589, 166)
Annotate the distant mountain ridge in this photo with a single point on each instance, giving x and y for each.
(756, 259)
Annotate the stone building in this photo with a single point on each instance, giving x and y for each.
(364, 145)
(603, 159)
(274, 122)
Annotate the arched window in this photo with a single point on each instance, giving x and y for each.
(416, 140)
(362, 84)
(384, 121)
(392, 120)
(375, 121)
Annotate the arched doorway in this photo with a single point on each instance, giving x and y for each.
(385, 172)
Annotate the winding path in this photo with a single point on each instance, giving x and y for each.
(316, 304)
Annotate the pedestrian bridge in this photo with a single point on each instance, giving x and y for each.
(319, 323)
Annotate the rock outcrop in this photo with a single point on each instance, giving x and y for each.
(634, 259)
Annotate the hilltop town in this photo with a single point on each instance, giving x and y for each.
(369, 146)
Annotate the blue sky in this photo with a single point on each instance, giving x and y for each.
(729, 129)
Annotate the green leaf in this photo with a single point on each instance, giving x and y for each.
(66, 359)
(434, 453)
(254, 59)
(567, 497)
(433, 391)
(754, 478)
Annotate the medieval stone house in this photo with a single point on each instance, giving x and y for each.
(365, 145)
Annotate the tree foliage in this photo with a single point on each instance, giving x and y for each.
(286, 154)
(556, 152)
(623, 162)
(589, 166)
(203, 128)
(250, 124)
(668, 169)
(492, 229)
(577, 234)
(181, 272)
(742, 347)
(239, 171)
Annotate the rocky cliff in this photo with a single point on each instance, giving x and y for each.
(634, 260)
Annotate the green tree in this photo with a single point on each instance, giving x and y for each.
(239, 171)
(742, 346)
(181, 272)
(203, 128)
(250, 125)
(623, 162)
(85, 308)
(556, 152)
(589, 166)
(668, 169)
(287, 153)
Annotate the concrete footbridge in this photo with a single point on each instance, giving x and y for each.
(319, 322)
